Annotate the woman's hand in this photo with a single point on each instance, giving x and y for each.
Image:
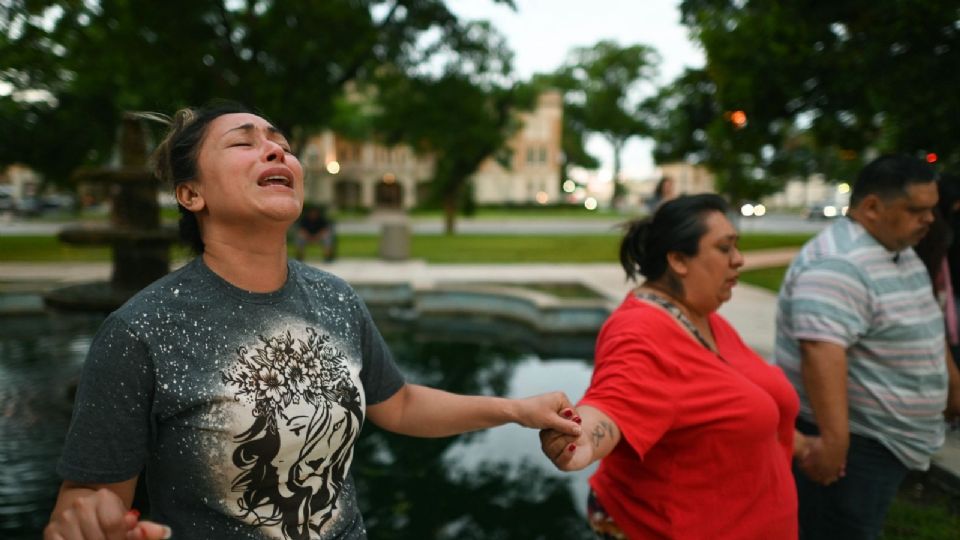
(552, 411)
(98, 514)
(823, 463)
(569, 452)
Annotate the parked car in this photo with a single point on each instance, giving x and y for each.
(7, 202)
(28, 206)
(825, 210)
(57, 201)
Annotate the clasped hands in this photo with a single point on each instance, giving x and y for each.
(822, 461)
(568, 452)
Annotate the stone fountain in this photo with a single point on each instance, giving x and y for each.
(140, 245)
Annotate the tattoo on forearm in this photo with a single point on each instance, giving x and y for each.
(600, 431)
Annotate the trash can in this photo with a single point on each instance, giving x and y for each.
(395, 241)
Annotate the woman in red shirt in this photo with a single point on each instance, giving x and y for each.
(694, 430)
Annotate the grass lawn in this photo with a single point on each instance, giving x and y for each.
(171, 215)
(47, 249)
(486, 248)
(767, 278)
(546, 212)
(929, 518)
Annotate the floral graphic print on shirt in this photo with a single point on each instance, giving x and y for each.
(306, 412)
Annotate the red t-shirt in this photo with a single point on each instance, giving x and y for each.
(706, 443)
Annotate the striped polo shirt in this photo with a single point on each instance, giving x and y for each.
(844, 287)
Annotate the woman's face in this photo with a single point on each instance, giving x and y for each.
(709, 277)
(247, 172)
(313, 443)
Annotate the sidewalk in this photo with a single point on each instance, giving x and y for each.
(752, 310)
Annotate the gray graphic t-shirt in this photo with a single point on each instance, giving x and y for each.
(243, 407)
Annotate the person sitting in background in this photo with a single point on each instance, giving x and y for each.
(694, 431)
(315, 228)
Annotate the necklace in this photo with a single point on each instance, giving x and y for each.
(674, 310)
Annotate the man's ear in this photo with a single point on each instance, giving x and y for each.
(189, 197)
(677, 262)
(870, 208)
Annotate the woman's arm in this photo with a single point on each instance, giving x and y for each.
(600, 436)
(420, 411)
(100, 511)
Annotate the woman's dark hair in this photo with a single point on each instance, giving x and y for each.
(677, 225)
(949, 189)
(175, 158)
(932, 248)
(941, 240)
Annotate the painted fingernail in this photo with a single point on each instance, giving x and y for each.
(578, 420)
(571, 448)
(568, 413)
(134, 512)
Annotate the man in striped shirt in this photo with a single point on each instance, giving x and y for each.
(861, 338)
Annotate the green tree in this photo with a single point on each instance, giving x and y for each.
(70, 68)
(690, 124)
(461, 114)
(859, 77)
(604, 84)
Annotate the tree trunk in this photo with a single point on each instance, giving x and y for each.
(618, 195)
(450, 203)
(735, 194)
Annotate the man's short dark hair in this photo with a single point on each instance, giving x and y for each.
(888, 177)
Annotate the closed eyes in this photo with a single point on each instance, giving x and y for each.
(285, 147)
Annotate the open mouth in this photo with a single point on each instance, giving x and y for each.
(275, 180)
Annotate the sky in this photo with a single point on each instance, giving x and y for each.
(542, 32)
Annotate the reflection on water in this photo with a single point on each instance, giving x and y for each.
(491, 484)
(40, 359)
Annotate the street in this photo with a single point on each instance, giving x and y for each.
(770, 223)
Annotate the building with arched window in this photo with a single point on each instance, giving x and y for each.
(350, 174)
